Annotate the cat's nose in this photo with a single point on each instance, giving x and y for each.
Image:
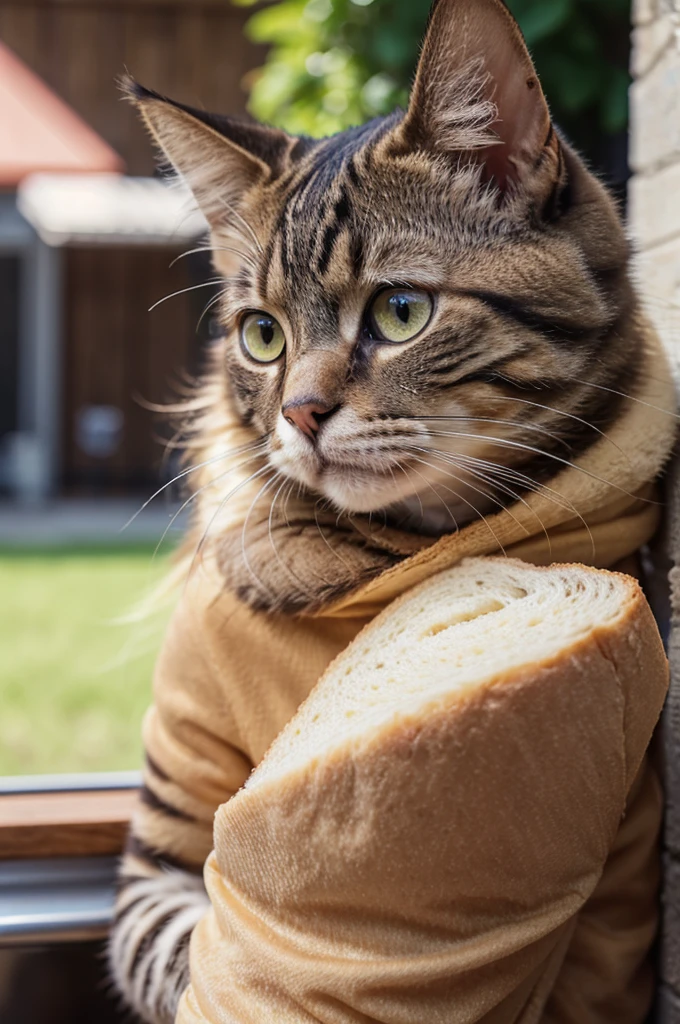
(307, 416)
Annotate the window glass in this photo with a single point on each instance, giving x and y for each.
(76, 660)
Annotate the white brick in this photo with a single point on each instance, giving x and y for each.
(657, 275)
(644, 11)
(655, 112)
(654, 211)
(649, 42)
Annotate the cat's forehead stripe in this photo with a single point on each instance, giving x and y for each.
(317, 207)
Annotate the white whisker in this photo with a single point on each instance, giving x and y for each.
(218, 510)
(193, 469)
(208, 306)
(183, 291)
(192, 497)
(189, 252)
(468, 466)
(518, 446)
(325, 539)
(567, 415)
(262, 491)
(477, 512)
(533, 427)
(232, 209)
(272, 542)
(630, 398)
(532, 486)
(434, 491)
(478, 490)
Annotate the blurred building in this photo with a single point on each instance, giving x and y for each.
(87, 234)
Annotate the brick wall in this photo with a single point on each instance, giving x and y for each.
(655, 158)
(654, 219)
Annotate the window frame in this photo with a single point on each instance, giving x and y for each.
(60, 839)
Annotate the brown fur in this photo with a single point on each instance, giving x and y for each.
(472, 196)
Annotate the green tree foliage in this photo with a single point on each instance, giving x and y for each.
(335, 63)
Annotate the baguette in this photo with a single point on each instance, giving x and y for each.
(482, 624)
(418, 841)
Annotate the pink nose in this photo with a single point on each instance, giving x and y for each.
(306, 416)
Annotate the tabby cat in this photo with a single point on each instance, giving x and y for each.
(424, 319)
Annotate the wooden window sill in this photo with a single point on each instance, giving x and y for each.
(64, 824)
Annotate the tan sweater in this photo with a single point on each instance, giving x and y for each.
(230, 678)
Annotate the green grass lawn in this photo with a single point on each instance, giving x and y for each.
(74, 683)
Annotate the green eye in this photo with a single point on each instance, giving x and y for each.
(400, 314)
(262, 337)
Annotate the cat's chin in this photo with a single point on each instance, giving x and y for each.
(360, 491)
(352, 489)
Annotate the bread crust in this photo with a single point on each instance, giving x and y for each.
(630, 640)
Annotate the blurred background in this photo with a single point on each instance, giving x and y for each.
(89, 343)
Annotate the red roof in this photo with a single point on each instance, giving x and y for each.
(39, 132)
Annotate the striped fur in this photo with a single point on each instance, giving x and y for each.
(161, 896)
(149, 949)
(471, 196)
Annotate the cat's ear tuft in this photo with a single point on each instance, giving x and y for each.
(477, 91)
(219, 158)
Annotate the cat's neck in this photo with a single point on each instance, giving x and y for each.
(435, 513)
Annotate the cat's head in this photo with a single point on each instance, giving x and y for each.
(414, 305)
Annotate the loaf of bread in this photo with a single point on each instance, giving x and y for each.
(417, 844)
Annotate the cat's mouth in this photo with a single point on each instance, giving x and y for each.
(351, 487)
(353, 480)
(355, 471)
(365, 468)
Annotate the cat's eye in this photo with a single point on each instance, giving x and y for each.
(262, 337)
(400, 314)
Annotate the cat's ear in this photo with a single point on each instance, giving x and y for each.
(476, 90)
(219, 158)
